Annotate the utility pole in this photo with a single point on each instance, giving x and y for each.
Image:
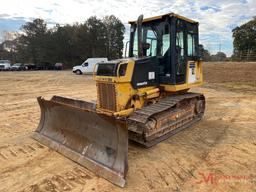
(219, 57)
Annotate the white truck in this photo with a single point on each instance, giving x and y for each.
(5, 65)
(87, 66)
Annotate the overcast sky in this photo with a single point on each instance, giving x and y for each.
(217, 18)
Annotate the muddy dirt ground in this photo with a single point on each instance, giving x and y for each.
(216, 154)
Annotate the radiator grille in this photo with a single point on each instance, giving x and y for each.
(107, 96)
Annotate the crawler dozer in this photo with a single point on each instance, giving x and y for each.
(144, 98)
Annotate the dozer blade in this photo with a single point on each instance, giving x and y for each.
(74, 129)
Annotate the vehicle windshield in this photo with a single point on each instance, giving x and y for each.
(17, 64)
(156, 37)
(4, 61)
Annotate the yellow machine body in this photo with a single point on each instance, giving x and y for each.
(115, 94)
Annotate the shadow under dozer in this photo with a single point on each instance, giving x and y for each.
(74, 129)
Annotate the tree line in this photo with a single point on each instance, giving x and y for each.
(206, 56)
(244, 44)
(245, 41)
(72, 44)
(69, 44)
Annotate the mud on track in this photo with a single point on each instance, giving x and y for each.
(210, 156)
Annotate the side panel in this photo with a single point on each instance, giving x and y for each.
(194, 78)
(145, 73)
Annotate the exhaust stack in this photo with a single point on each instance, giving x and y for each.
(139, 33)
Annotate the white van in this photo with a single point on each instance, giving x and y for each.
(5, 65)
(87, 66)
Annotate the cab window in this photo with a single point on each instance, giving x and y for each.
(155, 39)
(191, 44)
(165, 40)
(85, 65)
(152, 41)
(180, 43)
(135, 44)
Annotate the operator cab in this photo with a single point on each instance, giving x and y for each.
(170, 39)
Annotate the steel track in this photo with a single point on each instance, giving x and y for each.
(171, 114)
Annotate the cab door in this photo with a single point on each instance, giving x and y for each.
(193, 60)
(85, 66)
(186, 51)
(180, 49)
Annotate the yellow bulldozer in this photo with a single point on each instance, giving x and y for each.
(144, 98)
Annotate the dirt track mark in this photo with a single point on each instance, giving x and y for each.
(62, 182)
(17, 151)
(162, 176)
(149, 181)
